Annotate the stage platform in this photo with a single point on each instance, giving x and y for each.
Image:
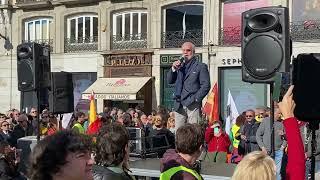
(209, 170)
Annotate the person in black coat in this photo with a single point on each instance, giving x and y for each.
(21, 130)
(5, 133)
(161, 137)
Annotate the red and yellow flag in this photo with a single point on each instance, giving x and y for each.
(92, 111)
(211, 108)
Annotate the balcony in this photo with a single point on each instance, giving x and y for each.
(74, 2)
(44, 42)
(33, 4)
(6, 4)
(129, 41)
(86, 44)
(230, 36)
(174, 39)
(306, 31)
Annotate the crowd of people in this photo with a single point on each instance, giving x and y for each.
(100, 149)
(103, 153)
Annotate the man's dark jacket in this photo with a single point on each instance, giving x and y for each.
(195, 85)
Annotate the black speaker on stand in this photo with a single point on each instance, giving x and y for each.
(61, 94)
(265, 49)
(265, 44)
(34, 73)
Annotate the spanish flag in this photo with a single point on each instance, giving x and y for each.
(92, 112)
(212, 105)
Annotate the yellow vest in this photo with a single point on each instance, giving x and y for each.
(79, 127)
(234, 130)
(170, 172)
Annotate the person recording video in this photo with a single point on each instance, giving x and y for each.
(9, 159)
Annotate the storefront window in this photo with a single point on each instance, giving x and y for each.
(245, 95)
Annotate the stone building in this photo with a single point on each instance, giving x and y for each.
(135, 42)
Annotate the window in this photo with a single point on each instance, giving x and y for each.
(304, 10)
(82, 29)
(245, 95)
(38, 29)
(130, 26)
(190, 17)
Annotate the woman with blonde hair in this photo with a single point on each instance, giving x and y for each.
(255, 165)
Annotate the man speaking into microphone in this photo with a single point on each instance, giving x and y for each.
(192, 83)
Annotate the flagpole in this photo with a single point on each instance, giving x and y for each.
(272, 153)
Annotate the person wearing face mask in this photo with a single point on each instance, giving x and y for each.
(218, 142)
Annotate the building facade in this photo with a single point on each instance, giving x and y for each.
(122, 39)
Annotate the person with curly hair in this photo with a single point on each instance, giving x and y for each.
(65, 155)
(112, 153)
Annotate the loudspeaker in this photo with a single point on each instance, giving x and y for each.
(26, 144)
(61, 94)
(265, 43)
(305, 76)
(33, 65)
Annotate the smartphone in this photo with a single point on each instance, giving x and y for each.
(306, 92)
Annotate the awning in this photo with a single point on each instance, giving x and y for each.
(116, 88)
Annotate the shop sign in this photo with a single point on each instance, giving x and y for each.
(118, 83)
(233, 61)
(128, 60)
(112, 96)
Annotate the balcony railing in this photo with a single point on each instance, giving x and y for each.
(307, 31)
(129, 41)
(230, 36)
(174, 39)
(33, 4)
(81, 44)
(46, 42)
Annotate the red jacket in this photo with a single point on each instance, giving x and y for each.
(296, 159)
(218, 144)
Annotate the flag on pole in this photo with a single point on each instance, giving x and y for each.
(232, 113)
(211, 108)
(92, 111)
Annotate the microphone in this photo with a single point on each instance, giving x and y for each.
(182, 59)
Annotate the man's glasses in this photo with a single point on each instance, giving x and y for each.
(249, 116)
(34, 111)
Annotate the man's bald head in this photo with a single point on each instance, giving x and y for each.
(188, 50)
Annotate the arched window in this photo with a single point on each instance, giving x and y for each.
(182, 22)
(82, 28)
(37, 29)
(130, 26)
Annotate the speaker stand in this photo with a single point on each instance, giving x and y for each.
(313, 125)
(272, 153)
(39, 113)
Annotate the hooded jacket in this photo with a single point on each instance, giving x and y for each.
(172, 159)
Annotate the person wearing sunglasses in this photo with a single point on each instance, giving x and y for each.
(5, 133)
(248, 140)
